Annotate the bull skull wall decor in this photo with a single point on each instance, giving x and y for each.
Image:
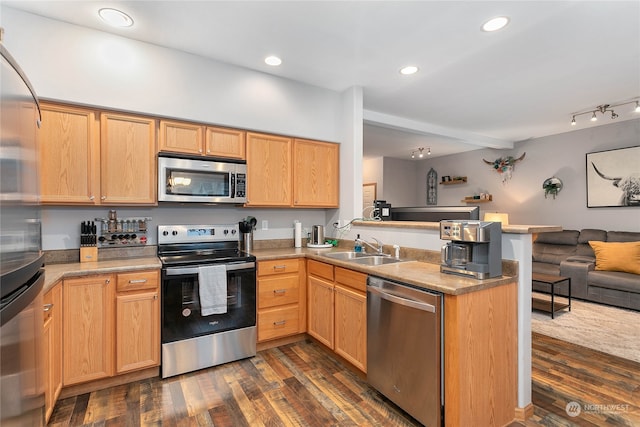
(505, 165)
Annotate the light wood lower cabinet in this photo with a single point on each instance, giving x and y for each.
(88, 319)
(137, 321)
(111, 325)
(281, 298)
(337, 310)
(52, 347)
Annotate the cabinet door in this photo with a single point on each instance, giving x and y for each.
(128, 160)
(69, 155)
(268, 170)
(316, 173)
(181, 137)
(351, 326)
(320, 310)
(54, 363)
(88, 326)
(137, 331)
(221, 142)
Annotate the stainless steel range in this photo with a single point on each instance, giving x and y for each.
(208, 297)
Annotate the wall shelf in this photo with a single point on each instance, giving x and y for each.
(461, 180)
(472, 200)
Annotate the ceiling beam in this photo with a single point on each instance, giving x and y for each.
(414, 126)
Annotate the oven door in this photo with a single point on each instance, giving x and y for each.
(181, 312)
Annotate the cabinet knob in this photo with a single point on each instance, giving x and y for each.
(155, 296)
(107, 281)
(48, 307)
(103, 198)
(279, 291)
(280, 323)
(92, 197)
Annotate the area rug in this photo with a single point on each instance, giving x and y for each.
(599, 327)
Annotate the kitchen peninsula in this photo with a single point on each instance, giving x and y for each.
(516, 245)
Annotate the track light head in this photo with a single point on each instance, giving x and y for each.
(593, 117)
(421, 155)
(613, 115)
(637, 109)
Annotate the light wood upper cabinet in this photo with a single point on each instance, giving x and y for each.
(128, 160)
(189, 138)
(268, 170)
(88, 324)
(222, 142)
(316, 173)
(69, 145)
(181, 137)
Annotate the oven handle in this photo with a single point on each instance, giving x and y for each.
(178, 271)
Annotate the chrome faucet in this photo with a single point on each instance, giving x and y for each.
(378, 249)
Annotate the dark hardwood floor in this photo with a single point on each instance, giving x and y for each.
(300, 385)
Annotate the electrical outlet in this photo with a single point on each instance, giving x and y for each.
(265, 224)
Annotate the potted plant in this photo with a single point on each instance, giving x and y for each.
(552, 186)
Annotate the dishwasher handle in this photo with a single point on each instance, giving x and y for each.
(402, 301)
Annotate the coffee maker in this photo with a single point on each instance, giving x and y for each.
(474, 248)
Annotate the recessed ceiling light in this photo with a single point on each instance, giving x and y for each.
(411, 69)
(495, 24)
(115, 17)
(273, 60)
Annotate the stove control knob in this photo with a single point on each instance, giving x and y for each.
(174, 232)
(165, 233)
(233, 231)
(226, 232)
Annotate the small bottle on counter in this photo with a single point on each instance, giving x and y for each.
(357, 247)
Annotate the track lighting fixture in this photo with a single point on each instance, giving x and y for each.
(420, 152)
(605, 108)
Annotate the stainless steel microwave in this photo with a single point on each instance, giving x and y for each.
(189, 180)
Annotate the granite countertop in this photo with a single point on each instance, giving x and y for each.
(53, 273)
(425, 275)
(510, 228)
(420, 274)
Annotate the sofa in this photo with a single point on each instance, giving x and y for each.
(609, 275)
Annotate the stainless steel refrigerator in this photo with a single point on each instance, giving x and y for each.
(21, 258)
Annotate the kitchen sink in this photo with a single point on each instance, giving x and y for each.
(376, 260)
(347, 256)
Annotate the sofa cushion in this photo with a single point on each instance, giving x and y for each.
(617, 256)
(565, 237)
(555, 247)
(622, 236)
(586, 235)
(615, 280)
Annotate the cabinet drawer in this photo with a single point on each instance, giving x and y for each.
(353, 279)
(278, 290)
(320, 269)
(279, 322)
(278, 266)
(138, 280)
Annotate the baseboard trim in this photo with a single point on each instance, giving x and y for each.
(523, 414)
(78, 389)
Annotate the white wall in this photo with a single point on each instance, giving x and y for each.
(562, 155)
(83, 66)
(398, 175)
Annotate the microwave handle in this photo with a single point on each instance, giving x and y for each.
(233, 185)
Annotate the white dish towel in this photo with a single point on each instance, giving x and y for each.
(212, 281)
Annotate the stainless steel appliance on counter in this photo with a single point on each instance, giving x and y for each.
(474, 248)
(185, 179)
(404, 347)
(208, 297)
(21, 258)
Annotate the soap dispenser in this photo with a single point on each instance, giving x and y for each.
(358, 246)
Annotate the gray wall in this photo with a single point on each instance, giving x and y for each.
(563, 156)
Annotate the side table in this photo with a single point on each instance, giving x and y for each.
(551, 306)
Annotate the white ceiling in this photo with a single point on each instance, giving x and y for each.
(474, 89)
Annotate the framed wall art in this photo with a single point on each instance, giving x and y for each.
(613, 178)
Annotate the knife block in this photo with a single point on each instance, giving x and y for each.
(89, 254)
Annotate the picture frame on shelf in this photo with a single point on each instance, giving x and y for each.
(613, 178)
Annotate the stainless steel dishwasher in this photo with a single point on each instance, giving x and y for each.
(404, 347)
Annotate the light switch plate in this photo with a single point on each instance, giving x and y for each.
(265, 224)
